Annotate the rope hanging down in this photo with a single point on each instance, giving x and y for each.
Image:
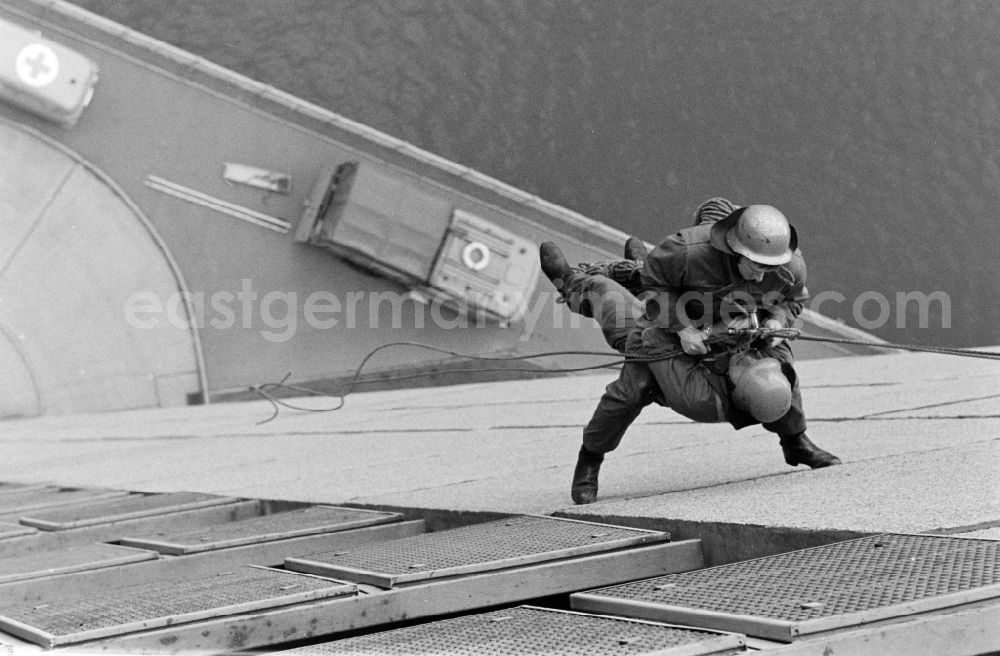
(618, 359)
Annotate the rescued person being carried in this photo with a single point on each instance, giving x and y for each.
(737, 267)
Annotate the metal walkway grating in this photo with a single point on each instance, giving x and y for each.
(8, 530)
(31, 499)
(527, 630)
(116, 509)
(18, 487)
(279, 526)
(476, 548)
(817, 589)
(78, 559)
(140, 607)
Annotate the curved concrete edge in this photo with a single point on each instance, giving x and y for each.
(80, 249)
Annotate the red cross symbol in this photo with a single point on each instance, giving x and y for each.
(37, 65)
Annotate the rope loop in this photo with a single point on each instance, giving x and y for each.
(267, 390)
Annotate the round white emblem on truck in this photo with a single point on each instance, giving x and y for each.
(37, 65)
(476, 255)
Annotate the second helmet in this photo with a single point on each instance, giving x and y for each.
(760, 387)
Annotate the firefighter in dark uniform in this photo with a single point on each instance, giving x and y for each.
(736, 268)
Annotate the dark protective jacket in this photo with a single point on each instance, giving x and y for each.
(687, 280)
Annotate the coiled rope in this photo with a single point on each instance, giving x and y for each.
(618, 359)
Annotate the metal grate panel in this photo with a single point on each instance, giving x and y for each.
(14, 530)
(65, 561)
(18, 487)
(30, 499)
(528, 630)
(148, 606)
(280, 526)
(119, 509)
(817, 589)
(476, 548)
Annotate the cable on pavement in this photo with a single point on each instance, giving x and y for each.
(266, 390)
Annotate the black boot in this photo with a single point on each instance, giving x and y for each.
(554, 265)
(557, 269)
(799, 450)
(635, 250)
(588, 466)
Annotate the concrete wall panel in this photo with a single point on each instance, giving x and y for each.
(78, 255)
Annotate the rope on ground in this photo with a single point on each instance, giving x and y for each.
(265, 390)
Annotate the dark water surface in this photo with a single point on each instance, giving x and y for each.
(875, 126)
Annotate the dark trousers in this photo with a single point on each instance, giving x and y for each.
(695, 387)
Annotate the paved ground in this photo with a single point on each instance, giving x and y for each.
(919, 435)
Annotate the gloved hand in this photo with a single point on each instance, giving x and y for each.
(773, 324)
(693, 340)
(739, 323)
